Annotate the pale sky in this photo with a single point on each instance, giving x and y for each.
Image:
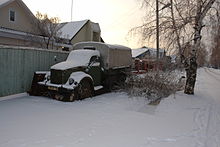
(115, 17)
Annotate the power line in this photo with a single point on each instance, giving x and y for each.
(71, 11)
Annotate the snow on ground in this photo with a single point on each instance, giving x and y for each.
(116, 120)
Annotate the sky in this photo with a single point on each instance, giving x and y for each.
(115, 17)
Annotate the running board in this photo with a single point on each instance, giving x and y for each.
(98, 88)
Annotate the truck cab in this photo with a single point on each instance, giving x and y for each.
(84, 60)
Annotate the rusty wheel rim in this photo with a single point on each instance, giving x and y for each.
(84, 90)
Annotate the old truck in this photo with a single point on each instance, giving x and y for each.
(89, 67)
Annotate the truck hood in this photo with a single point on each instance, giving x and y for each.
(67, 65)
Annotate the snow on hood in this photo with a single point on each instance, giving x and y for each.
(76, 58)
(65, 65)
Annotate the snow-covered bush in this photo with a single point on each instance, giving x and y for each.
(155, 85)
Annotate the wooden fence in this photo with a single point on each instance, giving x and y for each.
(18, 64)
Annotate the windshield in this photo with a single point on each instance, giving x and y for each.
(82, 56)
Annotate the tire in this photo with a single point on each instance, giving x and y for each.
(85, 89)
(72, 97)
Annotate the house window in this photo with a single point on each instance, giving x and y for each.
(12, 15)
(96, 36)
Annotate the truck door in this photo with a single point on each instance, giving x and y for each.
(94, 70)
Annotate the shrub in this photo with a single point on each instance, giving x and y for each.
(154, 85)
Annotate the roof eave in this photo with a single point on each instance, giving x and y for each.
(6, 3)
(27, 9)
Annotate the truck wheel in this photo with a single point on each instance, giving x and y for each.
(72, 97)
(85, 89)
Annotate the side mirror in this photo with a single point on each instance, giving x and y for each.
(55, 58)
(94, 61)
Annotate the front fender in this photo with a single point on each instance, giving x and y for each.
(77, 77)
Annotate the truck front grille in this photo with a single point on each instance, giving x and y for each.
(56, 76)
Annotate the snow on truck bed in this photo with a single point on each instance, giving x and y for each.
(116, 120)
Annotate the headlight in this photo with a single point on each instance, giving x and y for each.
(48, 78)
(71, 81)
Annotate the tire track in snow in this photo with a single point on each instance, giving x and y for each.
(201, 121)
(214, 71)
(208, 121)
(213, 127)
(213, 74)
(207, 118)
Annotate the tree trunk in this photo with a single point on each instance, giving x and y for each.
(191, 71)
(191, 65)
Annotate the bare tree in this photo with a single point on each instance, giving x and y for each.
(49, 28)
(180, 26)
(215, 50)
(215, 55)
(202, 55)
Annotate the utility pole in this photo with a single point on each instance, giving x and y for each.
(157, 25)
(72, 11)
(157, 29)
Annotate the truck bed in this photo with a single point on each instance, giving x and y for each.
(112, 56)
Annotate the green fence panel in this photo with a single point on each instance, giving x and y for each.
(17, 67)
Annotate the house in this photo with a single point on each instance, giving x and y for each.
(144, 59)
(18, 27)
(147, 53)
(80, 31)
(17, 21)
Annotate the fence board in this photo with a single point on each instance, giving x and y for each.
(17, 66)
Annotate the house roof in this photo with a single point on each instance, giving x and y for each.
(5, 2)
(5, 32)
(153, 51)
(21, 3)
(70, 29)
(139, 51)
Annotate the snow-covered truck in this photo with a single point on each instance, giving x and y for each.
(89, 67)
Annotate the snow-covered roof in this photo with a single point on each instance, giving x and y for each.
(6, 30)
(70, 29)
(139, 51)
(155, 50)
(23, 36)
(76, 58)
